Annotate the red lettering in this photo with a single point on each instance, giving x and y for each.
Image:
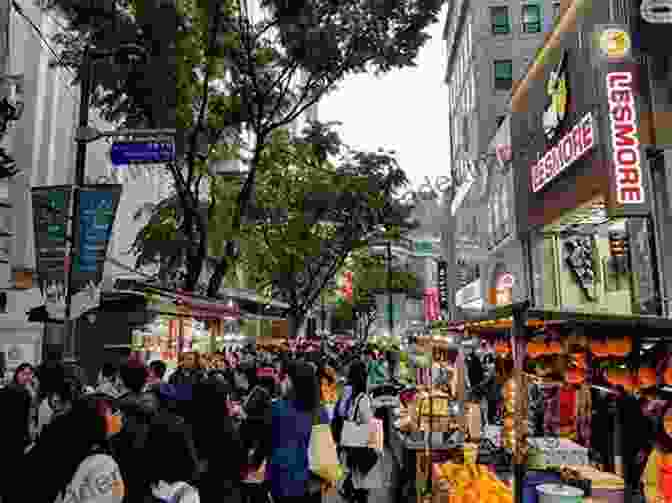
(577, 138)
(618, 79)
(624, 135)
(631, 194)
(624, 96)
(567, 148)
(587, 133)
(627, 156)
(629, 176)
(622, 114)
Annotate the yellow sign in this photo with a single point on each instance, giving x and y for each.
(615, 43)
(556, 88)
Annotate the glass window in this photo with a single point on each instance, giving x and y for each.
(531, 17)
(556, 10)
(499, 17)
(503, 74)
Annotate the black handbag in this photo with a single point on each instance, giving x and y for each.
(362, 459)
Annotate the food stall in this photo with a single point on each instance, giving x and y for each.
(569, 359)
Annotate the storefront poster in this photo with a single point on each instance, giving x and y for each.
(97, 207)
(651, 24)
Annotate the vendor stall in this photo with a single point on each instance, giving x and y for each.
(570, 360)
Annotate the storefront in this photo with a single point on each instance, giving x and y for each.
(583, 190)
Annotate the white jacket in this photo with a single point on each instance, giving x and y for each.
(97, 480)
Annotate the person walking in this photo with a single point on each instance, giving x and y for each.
(359, 409)
(286, 446)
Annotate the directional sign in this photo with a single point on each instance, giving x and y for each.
(124, 153)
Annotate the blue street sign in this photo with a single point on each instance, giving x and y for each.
(123, 153)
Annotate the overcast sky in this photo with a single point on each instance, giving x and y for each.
(406, 111)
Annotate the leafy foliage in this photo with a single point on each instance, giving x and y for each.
(213, 71)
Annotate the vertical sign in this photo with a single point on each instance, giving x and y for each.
(444, 295)
(97, 207)
(51, 210)
(621, 90)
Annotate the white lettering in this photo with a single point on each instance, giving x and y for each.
(624, 138)
(566, 152)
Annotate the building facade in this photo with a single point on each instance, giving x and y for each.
(586, 157)
(42, 143)
(489, 47)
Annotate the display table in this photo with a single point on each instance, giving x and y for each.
(548, 451)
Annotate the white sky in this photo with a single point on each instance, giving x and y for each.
(405, 110)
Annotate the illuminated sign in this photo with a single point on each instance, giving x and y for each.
(625, 138)
(615, 43)
(568, 150)
(558, 93)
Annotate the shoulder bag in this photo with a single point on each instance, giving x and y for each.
(361, 457)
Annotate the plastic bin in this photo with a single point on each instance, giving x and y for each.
(535, 478)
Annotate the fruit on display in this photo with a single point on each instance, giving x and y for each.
(647, 377)
(619, 347)
(469, 483)
(599, 349)
(575, 376)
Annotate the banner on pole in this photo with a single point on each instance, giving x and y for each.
(51, 211)
(97, 208)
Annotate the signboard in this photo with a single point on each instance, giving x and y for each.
(619, 93)
(573, 146)
(444, 295)
(51, 211)
(651, 26)
(97, 207)
(624, 138)
(506, 280)
(423, 248)
(124, 153)
(557, 89)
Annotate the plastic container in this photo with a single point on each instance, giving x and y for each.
(536, 478)
(559, 493)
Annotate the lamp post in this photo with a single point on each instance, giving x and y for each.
(132, 53)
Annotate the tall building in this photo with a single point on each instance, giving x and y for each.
(43, 144)
(490, 45)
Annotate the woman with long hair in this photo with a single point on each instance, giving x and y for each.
(83, 457)
(288, 438)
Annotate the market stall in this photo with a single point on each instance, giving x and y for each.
(570, 360)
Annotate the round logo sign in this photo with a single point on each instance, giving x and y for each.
(615, 43)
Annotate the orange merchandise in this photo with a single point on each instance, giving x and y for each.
(599, 349)
(619, 347)
(647, 377)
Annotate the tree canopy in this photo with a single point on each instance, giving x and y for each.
(215, 71)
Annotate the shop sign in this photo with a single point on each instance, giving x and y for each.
(624, 138)
(506, 280)
(615, 44)
(566, 152)
(558, 92)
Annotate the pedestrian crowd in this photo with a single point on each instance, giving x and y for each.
(234, 431)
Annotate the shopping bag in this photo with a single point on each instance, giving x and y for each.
(355, 434)
(322, 457)
(376, 435)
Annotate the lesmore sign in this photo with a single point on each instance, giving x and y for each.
(566, 152)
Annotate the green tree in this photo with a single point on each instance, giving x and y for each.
(370, 276)
(213, 71)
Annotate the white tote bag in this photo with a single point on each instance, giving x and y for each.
(355, 434)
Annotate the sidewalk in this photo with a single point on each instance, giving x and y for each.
(384, 495)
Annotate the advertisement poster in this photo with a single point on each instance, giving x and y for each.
(51, 209)
(97, 207)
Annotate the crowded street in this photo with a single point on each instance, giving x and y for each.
(336, 251)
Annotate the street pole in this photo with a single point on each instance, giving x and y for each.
(69, 328)
(323, 326)
(389, 287)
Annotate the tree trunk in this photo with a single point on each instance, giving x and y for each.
(294, 322)
(215, 282)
